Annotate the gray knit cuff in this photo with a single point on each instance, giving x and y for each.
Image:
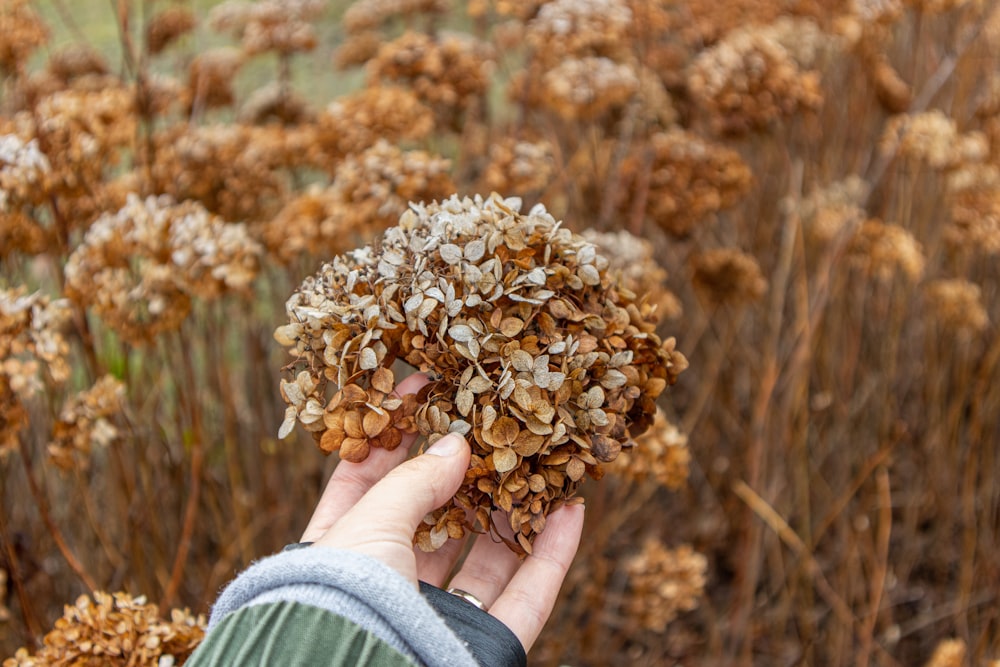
(357, 587)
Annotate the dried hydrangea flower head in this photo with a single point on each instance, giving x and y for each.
(30, 338)
(24, 172)
(660, 455)
(728, 275)
(974, 194)
(688, 179)
(357, 121)
(882, 250)
(828, 209)
(662, 583)
(23, 32)
(948, 653)
(748, 81)
(536, 356)
(633, 260)
(932, 138)
(140, 267)
(115, 630)
(368, 15)
(519, 166)
(167, 26)
(86, 421)
(368, 193)
(282, 26)
(957, 305)
(449, 72)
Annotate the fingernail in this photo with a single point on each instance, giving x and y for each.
(449, 445)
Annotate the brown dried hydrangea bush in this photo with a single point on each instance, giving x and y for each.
(537, 356)
(140, 267)
(115, 630)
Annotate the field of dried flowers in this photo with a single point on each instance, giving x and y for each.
(808, 191)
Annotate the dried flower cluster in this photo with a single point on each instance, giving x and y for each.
(932, 138)
(957, 305)
(31, 340)
(975, 209)
(728, 276)
(948, 653)
(86, 421)
(168, 26)
(354, 122)
(368, 15)
(282, 26)
(748, 81)
(23, 173)
(232, 170)
(662, 583)
(527, 167)
(449, 73)
(827, 210)
(660, 454)
(115, 630)
(688, 179)
(578, 28)
(586, 88)
(537, 356)
(140, 267)
(368, 193)
(23, 32)
(883, 250)
(633, 261)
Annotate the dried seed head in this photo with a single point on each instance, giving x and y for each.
(450, 73)
(140, 267)
(661, 455)
(633, 259)
(116, 630)
(86, 421)
(948, 653)
(748, 81)
(726, 275)
(23, 32)
(827, 210)
(662, 583)
(537, 355)
(932, 138)
(882, 250)
(957, 305)
(167, 27)
(365, 15)
(683, 179)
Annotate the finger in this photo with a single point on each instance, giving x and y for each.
(527, 602)
(350, 481)
(383, 521)
(435, 566)
(489, 566)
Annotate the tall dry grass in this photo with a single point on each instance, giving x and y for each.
(818, 181)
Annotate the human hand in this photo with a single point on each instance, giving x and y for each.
(374, 508)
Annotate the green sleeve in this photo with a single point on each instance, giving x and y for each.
(291, 633)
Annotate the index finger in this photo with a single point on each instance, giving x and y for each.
(350, 481)
(526, 603)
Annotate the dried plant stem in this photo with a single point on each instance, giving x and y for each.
(194, 494)
(877, 586)
(230, 438)
(32, 626)
(43, 509)
(113, 555)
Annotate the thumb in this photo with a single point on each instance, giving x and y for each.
(396, 505)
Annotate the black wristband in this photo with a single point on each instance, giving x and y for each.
(491, 642)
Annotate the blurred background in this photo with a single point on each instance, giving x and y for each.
(808, 189)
